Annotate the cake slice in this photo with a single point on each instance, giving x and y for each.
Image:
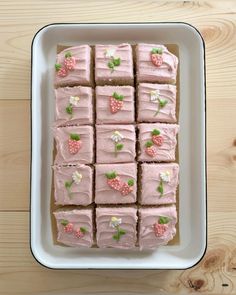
(74, 67)
(159, 183)
(74, 105)
(157, 142)
(156, 226)
(115, 183)
(156, 103)
(155, 64)
(73, 185)
(116, 227)
(114, 64)
(75, 227)
(74, 145)
(114, 104)
(115, 143)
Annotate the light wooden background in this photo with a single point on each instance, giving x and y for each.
(19, 272)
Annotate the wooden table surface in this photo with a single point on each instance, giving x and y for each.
(19, 272)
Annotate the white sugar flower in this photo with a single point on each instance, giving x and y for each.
(155, 96)
(165, 176)
(117, 136)
(115, 222)
(77, 177)
(110, 52)
(74, 100)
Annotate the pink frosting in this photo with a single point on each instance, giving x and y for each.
(77, 194)
(104, 115)
(148, 72)
(122, 73)
(79, 218)
(105, 232)
(81, 74)
(84, 155)
(104, 194)
(81, 114)
(106, 146)
(151, 180)
(150, 216)
(147, 108)
(165, 152)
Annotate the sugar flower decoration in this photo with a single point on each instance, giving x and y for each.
(77, 177)
(165, 176)
(155, 96)
(74, 100)
(110, 52)
(115, 222)
(117, 136)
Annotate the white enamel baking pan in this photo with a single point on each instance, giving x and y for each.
(192, 146)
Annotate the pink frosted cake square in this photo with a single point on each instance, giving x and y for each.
(114, 64)
(115, 183)
(156, 103)
(157, 142)
(74, 145)
(116, 227)
(114, 104)
(75, 227)
(159, 183)
(155, 64)
(115, 143)
(74, 105)
(73, 185)
(74, 67)
(156, 226)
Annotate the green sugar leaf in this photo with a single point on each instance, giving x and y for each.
(160, 189)
(116, 61)
(57, 67)
(130, 182)
(68, 184)
(119, 146)
(157, 50)
(74, 136)
(111, 65)
(118, 96)
(148, 144)
(162, 103)
(163, 220)
(68, 54)
(111, 175)
(64, 222)
(122, 231)
(156, 132)
(83, 230)
(116, 237)
(69, 109)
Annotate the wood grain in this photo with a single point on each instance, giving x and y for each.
(19, 273)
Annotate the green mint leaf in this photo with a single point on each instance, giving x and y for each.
(148, 144)
(116, 61)
(111, 175)
(64, 222)
(69, 109)
(111, 65)
(130, 182)
(57, 67)
(156, 132)
(119, 146)
(68, 54)
(163, 220)
(83, 230)
(162, 103)
(74, 136)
